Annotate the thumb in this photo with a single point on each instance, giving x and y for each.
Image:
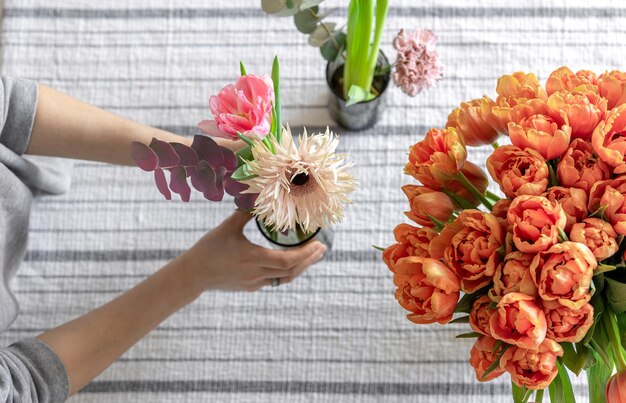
(238, 219)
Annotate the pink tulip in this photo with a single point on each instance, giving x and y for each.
(245, 107)
(616, 388)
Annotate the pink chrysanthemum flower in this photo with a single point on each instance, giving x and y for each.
(417, 66)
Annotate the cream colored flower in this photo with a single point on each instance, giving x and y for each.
(304, 185)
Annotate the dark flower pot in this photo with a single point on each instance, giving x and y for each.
(364, 114)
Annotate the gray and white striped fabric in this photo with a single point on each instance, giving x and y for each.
(336, 334)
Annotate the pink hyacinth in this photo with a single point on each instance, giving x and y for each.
(245, 107)
(417, 66)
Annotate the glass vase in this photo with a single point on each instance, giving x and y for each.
(294, 238)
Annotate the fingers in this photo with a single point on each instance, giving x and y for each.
(302, 267)
(291, 258)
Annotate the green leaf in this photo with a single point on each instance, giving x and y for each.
(356, 94)
(520, 394)
(461, 319)
(599, 213)
(598, 308)
(616, 294)
(597, 377)
(242, 69)
(496, 362)
(306, 20)
(603, 268)
(380, 248)
(470, 335)
(621, 323)
(321, 34)
(577, 359)
(276, 81)
(467, 300)
(244, 155)
(562, 235)
(331, 49)
(241, 174)
(560, 389)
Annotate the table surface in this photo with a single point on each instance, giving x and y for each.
(336, 334)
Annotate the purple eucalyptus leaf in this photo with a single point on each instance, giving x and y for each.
(164, 150)
(207, 150)
(161, 183)
(246, 201)
(187, 155)
(232, 187)
(143, 156)
(220, 172)
(178, 183)
(229, 159)
(203, 178)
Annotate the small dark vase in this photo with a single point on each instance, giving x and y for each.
(364, 114)
(295, 237)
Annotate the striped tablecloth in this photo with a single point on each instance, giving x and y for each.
(336, 334)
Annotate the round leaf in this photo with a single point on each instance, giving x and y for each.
(143, 156)
(321, 34)
(333, 46)
(306, 20)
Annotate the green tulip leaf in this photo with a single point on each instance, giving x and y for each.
(461, 319)
(616, 294)
(597, 377)
(357, 94)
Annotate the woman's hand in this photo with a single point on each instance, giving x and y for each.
(224, 259)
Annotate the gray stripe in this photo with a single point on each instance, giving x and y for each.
(264, 290)
(295, 360)
(286, 44)
(193, 13)
(409, 328)
(51, 201)
(175, 229)
(163, 254)
(297, 387)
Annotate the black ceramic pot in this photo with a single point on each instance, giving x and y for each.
(364, 114)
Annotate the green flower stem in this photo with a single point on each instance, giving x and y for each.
(492, 196)
(610, 325)
(539, 396)
(472, 189)
(461, 202)
(495, 145)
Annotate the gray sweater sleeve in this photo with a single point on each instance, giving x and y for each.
(29, 370)
(18, 103)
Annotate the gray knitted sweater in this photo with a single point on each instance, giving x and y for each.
(29, 370)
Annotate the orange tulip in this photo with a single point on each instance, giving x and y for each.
(393, 253)
(612, 86)
(532, 368)
(425, 202)
(616, 388)
(513, 275)
(535, 125)
(572, 200)
(435, 160)
(426, 288)
(584, 111)
(469, 246)
(480, 314)
(482, 355)
(612, 194)
(565, 80)
(563, 273)
(608, 139)
(470, 122)
(519, 320)
(535, 222)
(501, 208)
(518, 88)
(411, 241)
(518, 172)
(566, 324)
(580, 168)
(598, 235)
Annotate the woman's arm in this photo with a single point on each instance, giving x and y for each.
(222, 259)
(67, 127)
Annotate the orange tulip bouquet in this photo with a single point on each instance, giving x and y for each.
(538, 274)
